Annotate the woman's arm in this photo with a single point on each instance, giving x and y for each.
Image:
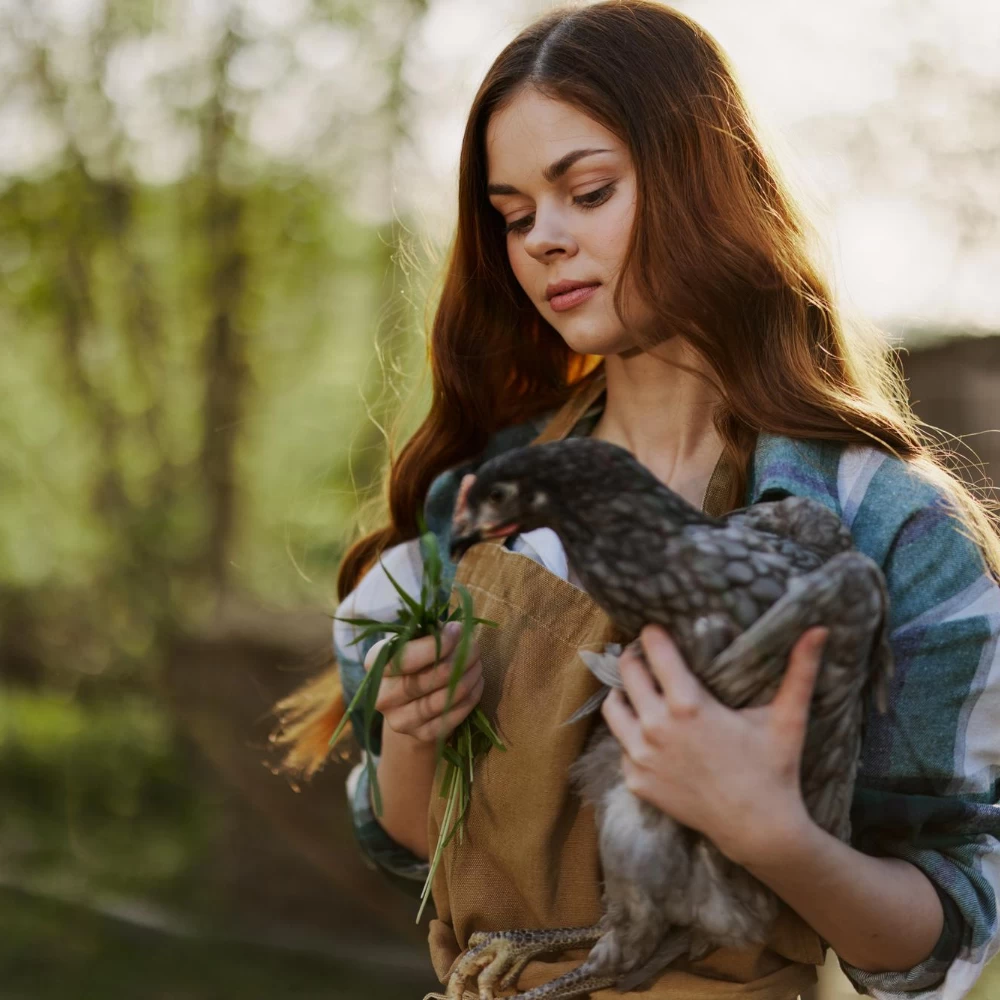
(410, 719)
(406, 778)
(878, 914)
(375, 597)
(704, 764)
(734, 775)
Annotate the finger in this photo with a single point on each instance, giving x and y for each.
(397, 691)
(447, 698)
(445, 725)
(423, 652)
(372, 655)
(639, 685)
(621, 721)
(682, 690)
(430, 707)
(790, 706)
(430, 679)
(420, 653)
(404, 688)
(415, 714)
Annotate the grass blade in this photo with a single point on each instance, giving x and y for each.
(388, 626)
(483, 725)
(371, 679)
(410, 602)
(426, 891)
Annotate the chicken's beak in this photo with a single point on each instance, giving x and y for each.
(469, 527)
(461, 543)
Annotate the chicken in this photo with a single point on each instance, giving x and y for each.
(734, 593)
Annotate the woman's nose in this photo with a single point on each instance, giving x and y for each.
(548, 237)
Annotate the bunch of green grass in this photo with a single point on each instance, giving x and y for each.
(473, 736)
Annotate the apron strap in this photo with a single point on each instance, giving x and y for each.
(715, 502)
(573, 409)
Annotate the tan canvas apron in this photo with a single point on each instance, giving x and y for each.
(529, 857)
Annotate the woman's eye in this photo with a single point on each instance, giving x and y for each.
(518, 225)
(589, 200)
(594, 198)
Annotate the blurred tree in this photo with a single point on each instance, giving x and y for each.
(183, 290)
(199, 264)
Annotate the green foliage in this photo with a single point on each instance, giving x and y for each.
(103, 430)
(192, 330)
(101, 790)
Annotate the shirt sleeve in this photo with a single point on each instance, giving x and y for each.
(927, 785)
(375, 597)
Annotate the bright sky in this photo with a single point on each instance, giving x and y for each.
(897, 259)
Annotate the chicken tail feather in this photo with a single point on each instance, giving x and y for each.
(670, 948)
(592, 704)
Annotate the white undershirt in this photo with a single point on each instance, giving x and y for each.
(543, 545)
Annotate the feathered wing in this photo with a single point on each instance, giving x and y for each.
(847, 595)
(604, 666)
(804, 521)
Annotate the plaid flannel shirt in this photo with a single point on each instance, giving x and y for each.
(927, 788)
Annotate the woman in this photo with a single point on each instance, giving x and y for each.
(628, 264)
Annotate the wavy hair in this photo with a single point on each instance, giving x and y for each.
(719, 250)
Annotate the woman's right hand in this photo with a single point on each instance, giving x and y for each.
(412, 702)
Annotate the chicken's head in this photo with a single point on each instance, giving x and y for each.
(495, 506)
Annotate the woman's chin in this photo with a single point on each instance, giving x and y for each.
(601, 342)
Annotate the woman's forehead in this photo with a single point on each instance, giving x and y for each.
(533, 131)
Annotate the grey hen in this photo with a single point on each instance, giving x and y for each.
(735, 594)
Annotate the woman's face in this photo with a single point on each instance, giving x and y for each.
(565, 187)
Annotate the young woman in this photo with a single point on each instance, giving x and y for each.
(628, 264)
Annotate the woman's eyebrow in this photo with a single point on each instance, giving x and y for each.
(552, 172)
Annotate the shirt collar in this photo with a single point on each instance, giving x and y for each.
(784, 466)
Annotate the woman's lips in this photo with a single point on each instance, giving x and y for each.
(560, 303)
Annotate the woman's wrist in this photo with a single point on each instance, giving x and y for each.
(406, 770)
(404, 745)
(878, 914)
(762, 844)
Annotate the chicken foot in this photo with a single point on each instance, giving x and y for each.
(495, 958)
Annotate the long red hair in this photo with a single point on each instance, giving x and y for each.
(719, 249)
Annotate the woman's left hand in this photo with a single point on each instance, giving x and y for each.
(732, 775)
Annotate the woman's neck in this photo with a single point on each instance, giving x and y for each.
(662, 414)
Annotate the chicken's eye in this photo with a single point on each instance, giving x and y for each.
(497, 494)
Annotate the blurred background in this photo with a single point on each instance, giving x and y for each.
(220, 225)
